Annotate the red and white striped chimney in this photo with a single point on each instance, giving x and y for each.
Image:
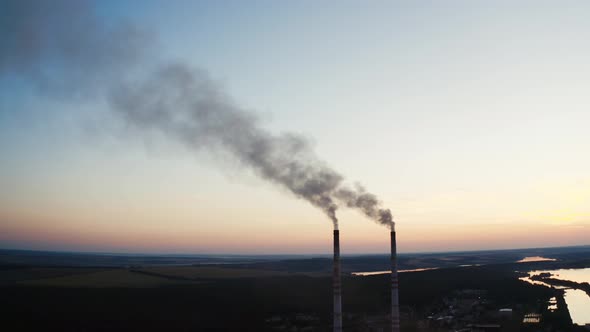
(336, 284)
(394, 284)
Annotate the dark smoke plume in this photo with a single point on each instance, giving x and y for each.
(62, 46)
(187, 105)
(366, 202)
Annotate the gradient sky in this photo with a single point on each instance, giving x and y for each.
(469, 119)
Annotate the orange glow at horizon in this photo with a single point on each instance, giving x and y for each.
(356, 238)
(176, 219)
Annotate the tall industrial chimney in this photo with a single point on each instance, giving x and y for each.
(336, 284)
(394, 284)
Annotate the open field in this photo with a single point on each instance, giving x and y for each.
(19, 274)
(207, 272)
(102, 279)
(126, 277)
(118, 300)
(254, 296)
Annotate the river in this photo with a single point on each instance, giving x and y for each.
(578, 302)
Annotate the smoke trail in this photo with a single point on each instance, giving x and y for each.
(65, 49)
(367, 203)
(188, 106)
(86, 57)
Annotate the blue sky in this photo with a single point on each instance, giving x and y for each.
(464, 117)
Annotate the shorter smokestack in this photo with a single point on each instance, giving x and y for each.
(336, 284)
(394, 284)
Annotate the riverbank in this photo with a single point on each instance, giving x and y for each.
(572, 285)
(564, 283)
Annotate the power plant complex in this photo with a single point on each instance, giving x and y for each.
(337, 284)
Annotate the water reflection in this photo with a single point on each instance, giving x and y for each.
(578, 301)
(372, 273)
(536, 259)
(537, 282)
(576, 275)
(552, 304)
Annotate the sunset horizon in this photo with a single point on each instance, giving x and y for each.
(312, 166)
(479, 146)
